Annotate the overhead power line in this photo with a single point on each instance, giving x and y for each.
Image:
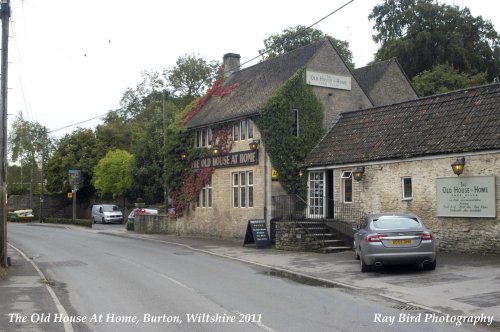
(298, 33)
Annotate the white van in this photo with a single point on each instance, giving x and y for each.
(106, 213)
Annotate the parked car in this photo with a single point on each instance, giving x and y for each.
(21, 215)
(106, 213)
(136, 211)
(394, 238)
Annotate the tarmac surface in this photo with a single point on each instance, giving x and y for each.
(465, 285)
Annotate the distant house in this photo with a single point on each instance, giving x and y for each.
(404, 152)
(244, 179)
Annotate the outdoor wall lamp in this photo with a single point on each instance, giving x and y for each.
(358, 172)
(301, 173)
(254, 145)
(184, 155)
(458, 166)
(214, 150)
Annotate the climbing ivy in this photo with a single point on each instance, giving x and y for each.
(286, 150)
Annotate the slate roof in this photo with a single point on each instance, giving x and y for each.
(461, 121)
(370, 75)
(257, 84)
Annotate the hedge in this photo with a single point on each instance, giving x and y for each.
(79, 222)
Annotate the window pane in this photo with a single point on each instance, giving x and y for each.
(236, 132)
(197, 139)
(295, 123)
(250, 178)
(348, 190)
(203, 137)
(250, 129)
(250, 196)
(204, 197)
(235, 197)
(243, 130)
(209, 136)
(209, 197)
(235, 179)
(243, 198)
(407, 188)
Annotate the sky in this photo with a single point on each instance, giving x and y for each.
(71, 61)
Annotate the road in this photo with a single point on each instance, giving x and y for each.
(129, 285)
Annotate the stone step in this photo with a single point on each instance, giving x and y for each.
(327, 250)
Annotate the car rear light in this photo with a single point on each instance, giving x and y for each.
(425, 236)
(375, 237)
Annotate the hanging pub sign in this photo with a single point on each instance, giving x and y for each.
(257, 234)
(274, 174)
(234, 159)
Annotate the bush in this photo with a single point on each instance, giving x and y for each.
(79, 222)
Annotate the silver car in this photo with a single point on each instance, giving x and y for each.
(394, 238)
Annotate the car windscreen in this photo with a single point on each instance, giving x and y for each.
(396, 223)
(110, 208)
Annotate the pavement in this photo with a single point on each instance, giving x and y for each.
(461, 285)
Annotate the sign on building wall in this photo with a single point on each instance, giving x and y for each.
(234, 159)
(328, 80)
(468, 196)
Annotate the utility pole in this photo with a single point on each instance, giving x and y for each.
(5, 16)
(165, 124)
(42, 175)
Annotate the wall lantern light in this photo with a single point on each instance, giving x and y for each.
(254, 145)
(215, 151)
(358, 172)
(458, 166)
(184, 155)
(301, 173)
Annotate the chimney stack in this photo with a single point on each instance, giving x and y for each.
(231, 62)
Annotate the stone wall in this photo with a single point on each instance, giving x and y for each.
(154, 224)
(55, 206)
(290, 236)
(380, 190)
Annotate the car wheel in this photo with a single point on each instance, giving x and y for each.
(93, 219)
(430, 266)
(356, 253)
(103, 221)
(364, 267)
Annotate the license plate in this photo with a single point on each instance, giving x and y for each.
(401, 242)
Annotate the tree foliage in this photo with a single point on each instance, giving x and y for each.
(424, 33)
(28, 140)
(75, 150)
(113, 174)
(191, 75)
(298, 36)
(443, 78)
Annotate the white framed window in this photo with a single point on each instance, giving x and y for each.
(243, 191)
(346, 178)
(205, 196)
(203, 138)
(406, 188)
(316, 186)
(243, 130)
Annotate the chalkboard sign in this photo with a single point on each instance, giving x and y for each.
(257, 233)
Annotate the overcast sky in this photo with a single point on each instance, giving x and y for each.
(72, 60)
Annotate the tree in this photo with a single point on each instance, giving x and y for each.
(299, 36)
(443, 78)
(423, 33)
(113, 174)
(75, 150)
(29, 144)
(191, 76)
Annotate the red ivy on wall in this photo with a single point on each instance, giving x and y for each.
(192, 183)
(215, 90)
(222, 138)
